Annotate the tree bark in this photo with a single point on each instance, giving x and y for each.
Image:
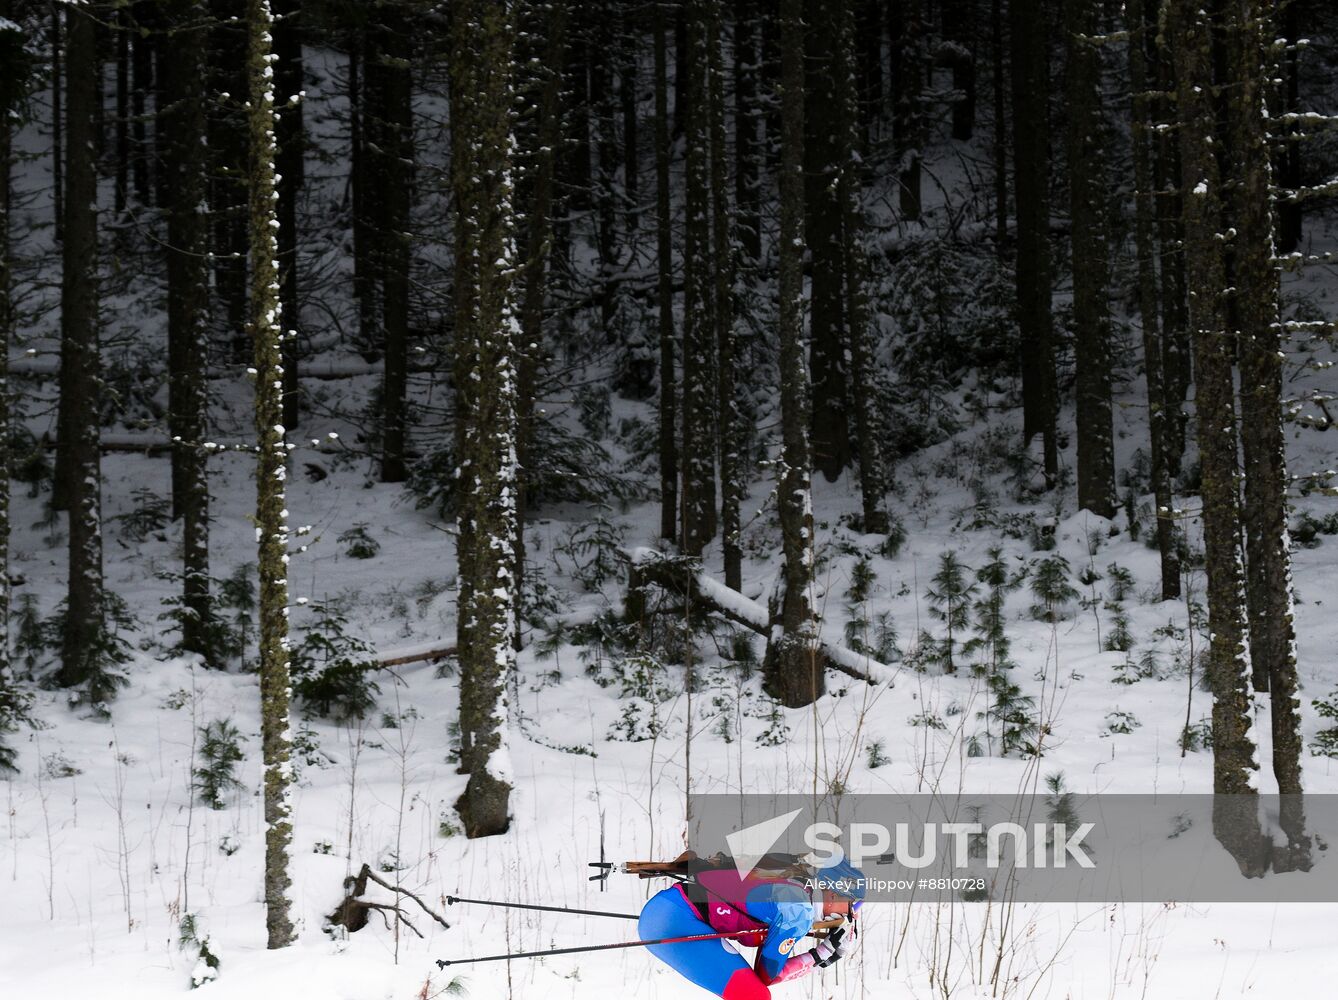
(793, 665)
(1142, 27)
(629, 58)
(266, 334)
(730, 424)
(829, 421)
(81, 660)
(487, 334)
(1000, 143)
(182, 124)
(392, 170)
(1235, 824)
(1268, 593)
(1289, 156)
(957, 23)
(1031, 172)
(664, 264)
(1087, 153)
(859, 332)
(1175, 337)
(747, 144)
(124, 25)
(908, 60)
(699, 330)
(288, 70)
(11, 42)
(228, 140)
(538, 249)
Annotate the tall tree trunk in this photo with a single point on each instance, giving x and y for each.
(1087, 152)
(123, 28)
(1031, 173)
(266, 334)
(362, 145)
(577, 165)
(908, 60)
(56, 40)
(1268, 591)
(228, 143)
(603, 101)
(1142, 28)
(291, 143)
(830, 427)
(747, 148)
(1176, 347)
(664, 265)
(11, 42)
(487, 336)
(868, 56)
(1000, 144)
(538, 248)
(957, 35)
(628, 59)
(699, 331)
(393, 169)
(1235, 817)
(142, 84)
(730, 425)
(81, 657)
(872, 475)
(1289, 156)
(182, 123)
(793, 665)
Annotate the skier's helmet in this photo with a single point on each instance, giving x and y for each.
(843, 879)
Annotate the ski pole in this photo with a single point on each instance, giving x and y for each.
(452, 900)
(443, 962)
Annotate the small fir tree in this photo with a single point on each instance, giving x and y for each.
(950, 602)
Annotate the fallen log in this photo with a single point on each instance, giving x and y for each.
(679, 576)
(416, 654)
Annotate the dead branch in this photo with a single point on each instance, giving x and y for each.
(352, 912)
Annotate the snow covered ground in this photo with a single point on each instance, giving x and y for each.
(102, 851)
(103, 848)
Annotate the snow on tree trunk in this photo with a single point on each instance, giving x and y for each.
(731, 428)
(664, 263)
(1268, 583)
(288, 78)
(793, 665)
(266, 332)
(487, 337)
(699, 332)
(1235, 819)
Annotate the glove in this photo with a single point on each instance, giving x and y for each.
(831, 949)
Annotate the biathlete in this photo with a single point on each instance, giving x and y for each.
(781, 907)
